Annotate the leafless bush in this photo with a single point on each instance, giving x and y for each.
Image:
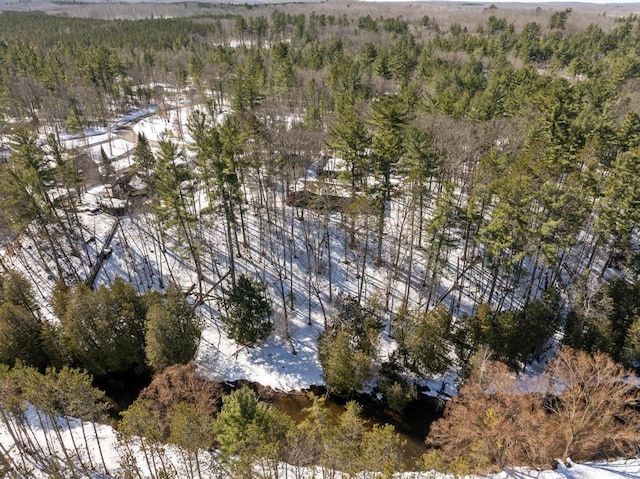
(586, 411)
(179, 383)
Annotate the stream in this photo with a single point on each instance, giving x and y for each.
(412, 425)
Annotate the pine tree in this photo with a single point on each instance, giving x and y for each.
(344, 442)
(349, 137)
(17, 290)
(104, 330)
(24, 191)
(143, 155)
(632, 343)
(174, 205)
(247, 85)
(141, 423)
(628, 136)
(78, 398)
(192, 432)
(248, 311)
(106, 168)
(20, 337)
(42, 393)
(348, 346)
(173, 331)
(382, 451)
(248, 430)
(389, 117)
(218, 149)
(427, 341)
(345, 367)
(618, 211)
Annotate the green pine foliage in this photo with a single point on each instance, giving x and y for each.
(143, 155)
(516, 337)
(143, 421)
(104, 330)
(247, 311)
(345, 367)
(347, 348)
(605, 321)
(22, 331)
(173, 331)
(20, 336)
(249, 432)
(191, 431)
(426, 341)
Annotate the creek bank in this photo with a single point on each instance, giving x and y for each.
(412, 424)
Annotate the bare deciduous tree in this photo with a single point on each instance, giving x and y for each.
(499, 420)
(593, 408)
(489, 425)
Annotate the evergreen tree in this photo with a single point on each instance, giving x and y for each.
(389, 117)
(382, 451)
(174, 203)
(106, 168)
(247, 84)
(218, 149)
(345, 367)
(345, 439)
(193, 432)
(559, 19)
(24, 191)
(348, 346)
(248, 430)
(248, 311)
(629, 132)
(173, 331)
(350, 140)
(73, 395)
(618, 211)
(349, 137)
(143, 155)
(20, 337)
(427, 341)
(632, 343)
(17, 290)
(141, 423)
(104, 329)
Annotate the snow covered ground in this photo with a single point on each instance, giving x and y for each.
(113, 148)
(300, 258)
(303, 259)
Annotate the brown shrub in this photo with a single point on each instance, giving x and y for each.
(180, 384)
(488, 426)
(593, 415)
(584, 410)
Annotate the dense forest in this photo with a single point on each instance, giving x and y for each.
(462, 191)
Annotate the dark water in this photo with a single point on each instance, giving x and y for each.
(412, 424)
(121, 390)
